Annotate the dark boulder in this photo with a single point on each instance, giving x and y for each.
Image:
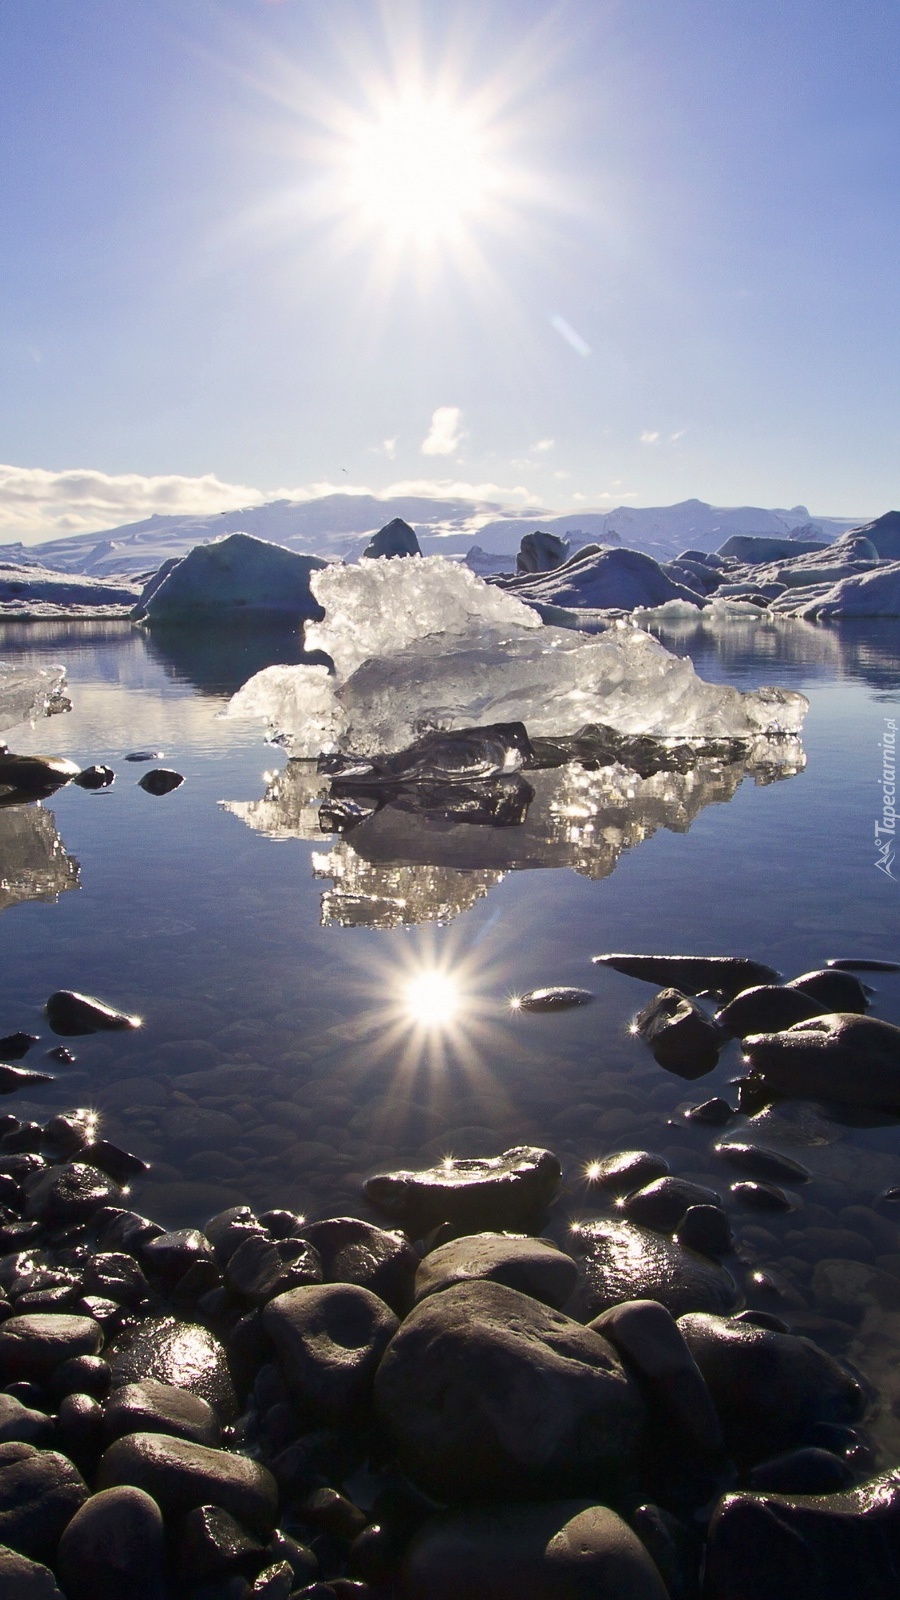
(180, 1475)
(114, 1547)
(682, 1037)
(621, 1261)
(40, 1492)
(511, 1191)
(379, 1259)
(726, 975)
(767, 1008)
(330, 1338)
(662, 1204)
(535, 1267)
(841, 1056)
(183, 1354)
(71, 1014)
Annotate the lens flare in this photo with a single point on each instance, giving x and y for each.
(432, 999)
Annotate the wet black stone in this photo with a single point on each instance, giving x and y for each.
(62, 1054)
(535, 1267)
(705, 1228)
(13, 1046)
(330, 1339)
(26, 1136)
(160, 780)
(821, 1547)
(715, 1112)
(116, 1276)
(120, 1165)
(760, 1196)
(144, 755)
(511, 1191)
(332, 1511)
(760, 1162)
(762, 1319)
(862, 964)
(553, 999)
(833, 989)
(35, 775)
(118, 1229)
(67, 1134)
(726, 975)
(621, 1261)
(257, 1271)
(662, 1204)
(31, 1346)
(767, 1008)
(114, 1547)
(23, 1424)
(228, 1229)
(180, 1353)
(40, 1491)
(375, 1258)
(79, 1425)
(842, 1057)
(23, 1579)
(171, 1254)
(212, 1543)
(68, 1193)
(682, 1037)
(80, 1375)
(627, 1170)
(69, 1013)
(149, 1406)
(95, 777)
(181, 1475)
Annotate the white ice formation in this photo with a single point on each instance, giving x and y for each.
(30, 692)
(235, 575)
(425, 644)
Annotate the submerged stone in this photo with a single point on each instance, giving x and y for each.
(661, 1205)
(511, 1191)
(627, 1170)
(761, 1163)
(14, 1079)
(552, 999)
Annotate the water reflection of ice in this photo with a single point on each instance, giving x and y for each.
(33, 860)
(402, 866)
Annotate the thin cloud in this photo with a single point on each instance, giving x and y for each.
(544, 444)
(649, 438)
(445, 434)
(389, 446)
(37, 503)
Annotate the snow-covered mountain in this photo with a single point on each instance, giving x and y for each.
(340, 525)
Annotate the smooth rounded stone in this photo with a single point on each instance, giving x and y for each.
(834, 990)
(823, 1547)
(706, 1229)
(23, 1425)
(63, 1055)
(661, 1205)
(330, 1338)
(626, 1170)
(212, 1543)
(258, 1272)
(144, 755)
(22, 1579)
(153, 1407)
(69, 1193)
(117, 1276)
(714, 1113)
(682, 1037)
(120, 1165)
(768, 1388)
(556, 998)
(276, 1582)
(160, 780)
(95, 777)
(726, 975)
(762, 1319)
(118, 1229)
(14, 1079)
(862, 964)
(535, 1267)
(68, 1132)
(836, 1057)
(230, 1228)
(113, 1547)
(181, 1475)
(806, 1471)
(182, 1354)
(511, 1191)
(766, 1009)
(37, 775)
(849, 1287)
(40, 1491)
(33, 1344)
(72, 1014)
(172, 1254)
(652, 1344)
(330, 1510)
(621, 1261)
(760, 1162)
(759, 1196)
(486, 1393)
(559, 1550)
(375, 1258)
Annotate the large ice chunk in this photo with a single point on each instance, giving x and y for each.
(30, 692)
(235, 575)
(425, 644)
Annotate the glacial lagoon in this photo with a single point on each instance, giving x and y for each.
(316, 1009)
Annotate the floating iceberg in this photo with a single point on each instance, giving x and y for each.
(425, 644)
(30, 692)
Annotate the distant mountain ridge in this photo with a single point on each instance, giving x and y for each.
(340, 525)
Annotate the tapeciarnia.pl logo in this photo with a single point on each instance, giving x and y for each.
(885, 830)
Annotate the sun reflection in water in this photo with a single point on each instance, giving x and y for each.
(432, 999)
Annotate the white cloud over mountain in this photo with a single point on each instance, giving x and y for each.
(445, 434)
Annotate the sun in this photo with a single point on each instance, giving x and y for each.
(417, 170)
(432, 999)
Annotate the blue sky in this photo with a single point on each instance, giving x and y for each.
(659, 259)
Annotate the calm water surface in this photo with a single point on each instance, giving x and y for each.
(287, 1049)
